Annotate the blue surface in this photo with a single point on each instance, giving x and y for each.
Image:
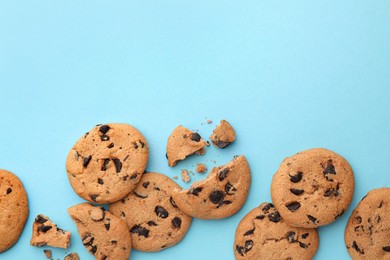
(288, 75)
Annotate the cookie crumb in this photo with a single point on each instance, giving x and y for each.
(185, 176)
(72, 256)
(209, 121)
(175, 177)
(47, 253)
(201, 168)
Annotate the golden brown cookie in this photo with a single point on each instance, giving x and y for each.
(154, 221)
(223, 135)
(312, 188)
(13, 209)
(367, 234)
(263, 234)
(103, 234)
(107, 162)
(182, 143)
(46, 233)
(221, 195)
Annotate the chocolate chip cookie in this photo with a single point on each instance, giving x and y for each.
(152, 216)
(263, 234)
(13, 209)
(182, 143)
(103, 234)
(367, 234)
(221, 195)
(223, 135)
(46, 233)
(312, 188)
(107, 162)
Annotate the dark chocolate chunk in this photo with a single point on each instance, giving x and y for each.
(142, 143)
(132, 177)
(93, 249)
(223, 173)
(221, 144)
(114, 242)
(358, 219)
(356, 247)
(172, 202)
(305, 235)
(104, 257)
(104, 138)
(156, 188)
(329, 168)
(123, 214)
(44, 228)
(249, 232)
(87, 240)
(9, 190)
(195, 191)
(240, 250)
(145, 184)
(267, 207)
(248, 245)
(312, 219)
(118, 165)
(329, 192)
(380, 204)
(176, 222)
(195, 137)
(104, 129)
(100, 181)
(105, 164)
(152, 223)
(135, 145)
(303, 245)
(107, 226)
(141, 231)
(161, 212)
(93, 197)
(139, 195)
(110, 145)
(86, 161)
(217, 197)
(296, 178)
(386, 248)
(274, 217)
(291, 237)
(226, 202)
(260, 217)
(40, 219)
(230, 189)
(293, 206)
(296, 191)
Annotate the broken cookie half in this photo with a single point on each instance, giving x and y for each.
(182, 143)
(221, 195)
(46, 233)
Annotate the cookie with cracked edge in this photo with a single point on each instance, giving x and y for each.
(107, 162)
(312, 188)
(152, 216)
(103, 234)
(13, 209)
(263, 234)
(220, 195)
(46, 233)
(182, 143)
(223, 135)
(367, 234)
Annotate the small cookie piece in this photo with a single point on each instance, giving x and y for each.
(312, 188)
(367, 234)
(220, 195)
(72, 256)
(182, 143)
(201, 168)
(13, 209)
(223, 135)
(103, 234)
(107, 162)
(263, 234)
(185, 176)
(46, 233)
(151, 214)
(47, 253)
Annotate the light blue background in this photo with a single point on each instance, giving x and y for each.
(288, 75)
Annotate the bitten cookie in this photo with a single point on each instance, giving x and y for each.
(182, 143)
(367, 234)
(312, 188)
(263, 234)
(223, 135)
(13, 209)
(154, 220)
(107, 162)
(46, 233)
(221, 195)
(103, 234)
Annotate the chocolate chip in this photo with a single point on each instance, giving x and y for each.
(329, 168)
(249, 232)
(274, 217)
(93, 197)
(134, 176)
(145, 184)
(358, 219)
(296, 178)
(40, 219)
(195, 191)
(356, 247)
(123, 214)
(86, 161)
(176, 222)
(118, 165)
(340, 214)
(161, 212)
(114, 242)
(240, 250)
(267, 207)
(141, 231)
(223, 173)
(152, 223)
(248, 245)
(217, 197)
(93, 249)
(135, 145)
(100, 181)
(104, 257)
(329, 192)
(9, 190)
(260, 217)
(312, 219)
(142, 143)
(386, 248)
(87, 240)
(221, 144)
(303, 245)
(172, 202)
(44, 228)
(305, 235)
(156, 188)
(230, 189)
(126, 157)
(104, 129)
(139, 195)
(105, 164)
(293, 206)
(226, 202)
(291, 237)
(195, 137)
(107, 225)
(104, 138)
(110, 145)
(296, 191)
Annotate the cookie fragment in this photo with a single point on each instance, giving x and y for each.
(47, 253)
(46, 233)
(223, 135)
(72, 256)
(182, 143)
(201, 168)
(185, 176)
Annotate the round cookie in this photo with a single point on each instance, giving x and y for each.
(154, 220)
(107, 162)
(104, 235)
(312, 188)
(13, 209)
(367, 234)
(221, 195)
(263, 234)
